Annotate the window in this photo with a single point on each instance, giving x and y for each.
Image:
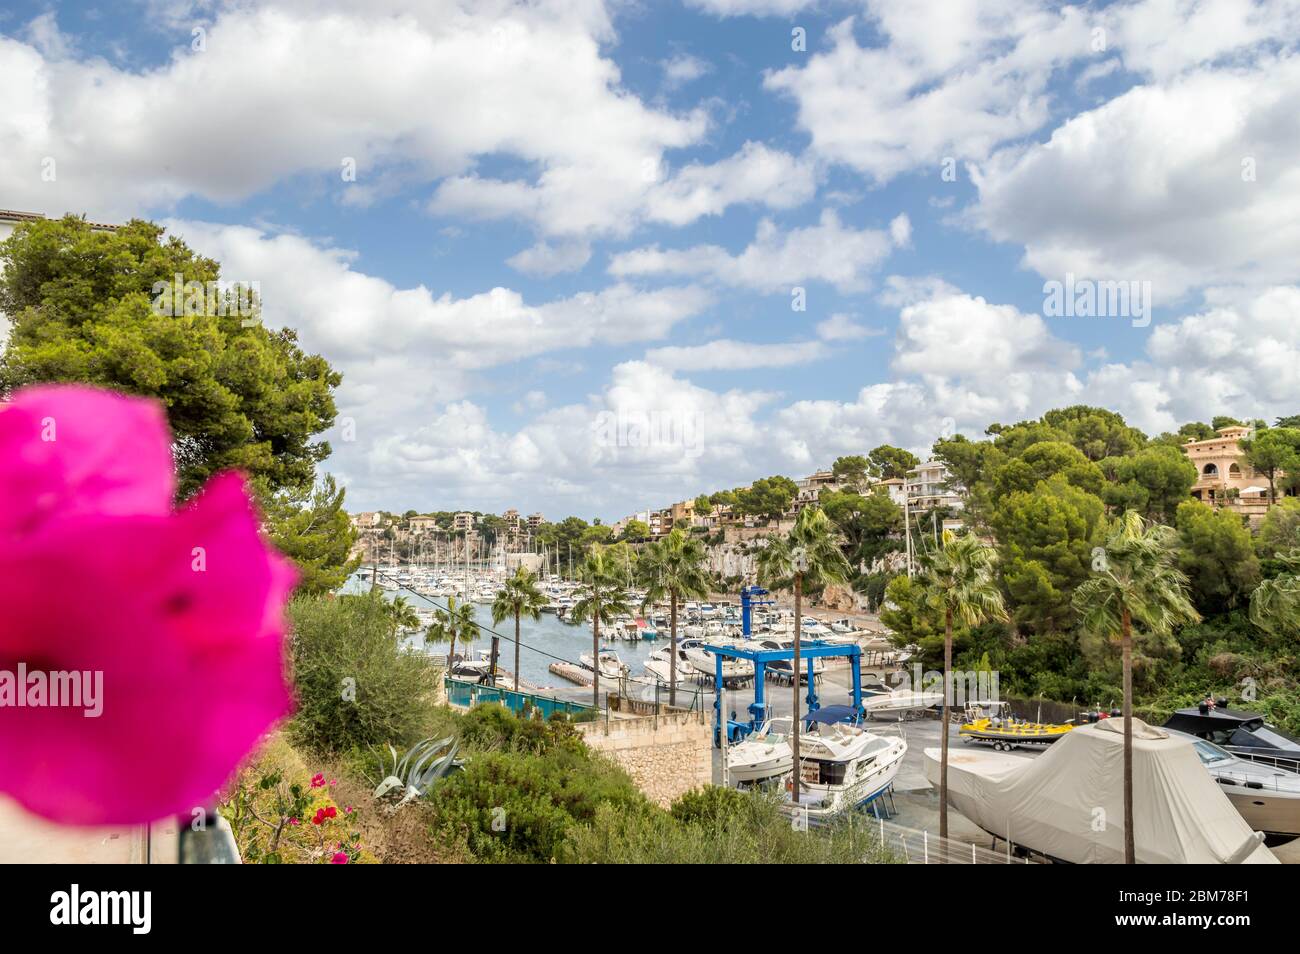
(1234, 471)
(1210, 471)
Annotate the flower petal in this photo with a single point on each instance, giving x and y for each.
(67, 451)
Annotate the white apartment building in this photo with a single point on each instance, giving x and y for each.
(926, 487)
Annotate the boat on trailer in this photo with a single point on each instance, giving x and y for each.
(991, 721)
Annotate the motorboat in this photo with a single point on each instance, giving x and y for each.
(1067, 804)
(706, 662)
(899, 703)
(657, 664)
(1244, 734)
(761, 756)
(991, 721)
(1267, 797)
(841, 767)
(784, 668)
(611, 667)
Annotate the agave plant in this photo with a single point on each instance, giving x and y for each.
(416, 773)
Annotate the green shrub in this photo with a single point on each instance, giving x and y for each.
(518, 806)
(718, 826)
(356, 685)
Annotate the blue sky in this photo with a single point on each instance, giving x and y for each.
(569, 218)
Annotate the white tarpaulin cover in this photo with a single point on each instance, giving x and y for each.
(1069, 802)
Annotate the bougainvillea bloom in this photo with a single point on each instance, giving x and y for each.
(181, 611)
(340, 858)
(318, 780)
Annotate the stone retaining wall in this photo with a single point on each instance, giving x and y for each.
(666, 755)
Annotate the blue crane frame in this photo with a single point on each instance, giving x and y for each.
(811, 650)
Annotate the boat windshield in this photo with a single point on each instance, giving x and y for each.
(1209, 753)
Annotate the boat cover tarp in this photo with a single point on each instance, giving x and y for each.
(1069, 802)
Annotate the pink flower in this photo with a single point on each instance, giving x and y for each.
(181, 612)
(318, 780)
(331, 812)
(340, 858)
(294, 821)
(333, 782)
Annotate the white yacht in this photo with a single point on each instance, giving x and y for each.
(898, 703)
(611, 667)
(841, 767)
(657, 664)
(1268, 798)
(763, 755)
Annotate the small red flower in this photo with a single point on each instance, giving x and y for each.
(318, 780)
(340, 858)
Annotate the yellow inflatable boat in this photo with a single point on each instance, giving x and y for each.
(992, 722)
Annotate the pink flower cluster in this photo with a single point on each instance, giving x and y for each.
(182, 612)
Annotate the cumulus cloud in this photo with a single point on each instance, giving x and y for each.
(415, 91)
(1188, 184)
(727, 355)
(948, 78)
(777, 258)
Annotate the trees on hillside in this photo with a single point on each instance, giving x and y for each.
(84, 306)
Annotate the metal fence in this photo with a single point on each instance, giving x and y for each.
(462, 693)
(922, 848)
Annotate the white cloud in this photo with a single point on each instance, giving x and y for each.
(545, 259)
(777, 258)
(414, 91)
(727, 355)
(952, 78)
(842, 327)
(1160, 185)
(755, 174)
(757, 8)
(900, 230)
(683, 69)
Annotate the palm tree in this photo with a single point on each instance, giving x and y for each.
(454, 623)
(1136, 581)
(674, 568)
(1275, 603)
(402, 614)
(808, 553)
(958, 577)
(601, 599)
(518, 597)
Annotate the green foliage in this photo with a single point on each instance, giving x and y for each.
(1279, 531)
(81, 308)
(311, 527)
(909, 612)
(356, 685)
(636, 530)
(1275, 603)
(892, 461)
(453, 625)
(807, 553)
(1273, 451)
(1153, 482)
(851, 470)
(1096, 432)
(767, 497)
(1044, 460)
(866, 521)
(1217, 555)
(720, 826)
(512, 806)
(1046, 538)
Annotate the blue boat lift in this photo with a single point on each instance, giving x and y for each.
(811, 650)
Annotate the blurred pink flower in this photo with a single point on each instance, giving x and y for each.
(181, 611)
(318, 780)
(340, 858)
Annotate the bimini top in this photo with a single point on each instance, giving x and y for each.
(830, 714)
